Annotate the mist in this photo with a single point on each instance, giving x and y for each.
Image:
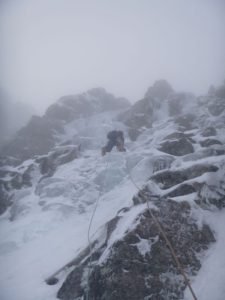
(13, 116)
(52, 48)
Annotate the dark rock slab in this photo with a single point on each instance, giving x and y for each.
(4, 197)
(36, 138)
(74, 286)
(154, 272)
(178, 135)
(179, 147)
(140, 265)
(141, 114)
(210, 142)
(212, 195)
(185, 122)
(169, 178)
(209, 131)
(59, 156)
(182, 190)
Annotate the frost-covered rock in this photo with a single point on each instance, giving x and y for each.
(178, 147)
(211, 192)
(169, 178)
(185, 122)
(141, 257)
(36, 138)
(145, 111)
(209, 142)
(58, 156)
(162, 162)
(93, 101)
(209, 131)
(205, 152)
(159, 103)
(41, 134)
(13, 182)
(217, 107)
(4, 197)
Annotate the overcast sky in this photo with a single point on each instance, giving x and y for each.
(50, 48)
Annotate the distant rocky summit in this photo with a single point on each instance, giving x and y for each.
(160, 99)
(41, 133)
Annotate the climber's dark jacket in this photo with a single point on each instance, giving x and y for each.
(115, 138)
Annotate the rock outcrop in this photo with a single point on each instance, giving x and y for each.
(177, 147)
(41, 134)
(142, 257)
(142, 114)
(187, 179)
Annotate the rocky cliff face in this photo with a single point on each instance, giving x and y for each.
(187, 179)
(44, 140)
(41, 134)
(175, 160)
(159, 100)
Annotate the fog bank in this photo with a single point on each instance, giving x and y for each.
(52, 48)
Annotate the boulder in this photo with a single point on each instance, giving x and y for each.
(209, 131)
(209, 142)
(59, 156)
(178, 147)
(185, 122)
(178, 135)
(169, 178)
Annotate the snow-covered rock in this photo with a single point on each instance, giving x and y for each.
(175, 160)
(41, 134)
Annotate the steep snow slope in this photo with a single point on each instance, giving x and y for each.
(47, 224)
(55, 220)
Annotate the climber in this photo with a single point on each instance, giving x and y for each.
(115, 138)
